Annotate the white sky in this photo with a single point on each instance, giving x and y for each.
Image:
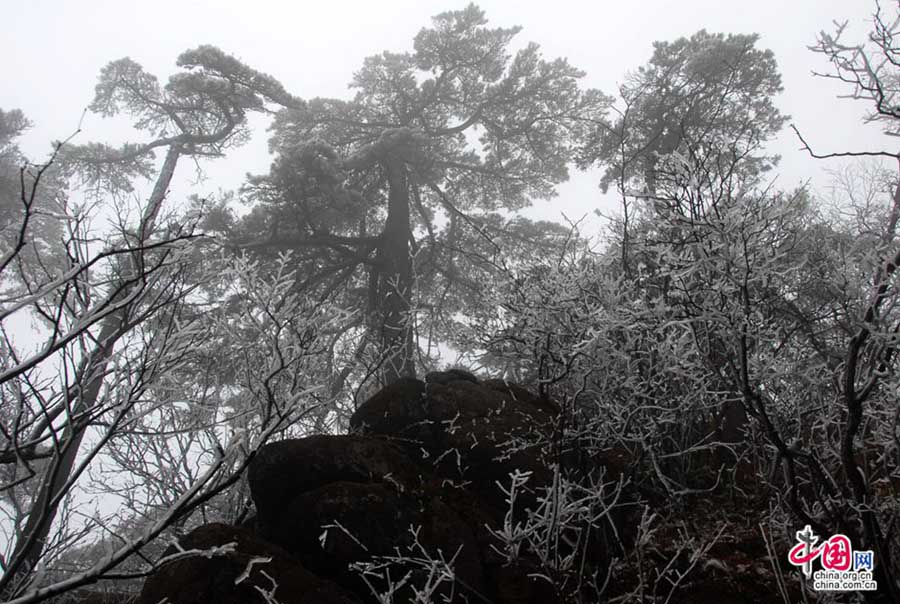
(52, 51)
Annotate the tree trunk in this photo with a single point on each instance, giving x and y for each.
(396, 280)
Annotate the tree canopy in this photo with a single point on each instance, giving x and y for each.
(709, 97)
(401, 181)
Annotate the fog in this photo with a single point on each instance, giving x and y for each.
(54, 50)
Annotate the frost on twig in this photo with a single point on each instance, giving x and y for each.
(412, 572)
(245, 574)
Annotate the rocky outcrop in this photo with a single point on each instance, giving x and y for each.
(412, 491)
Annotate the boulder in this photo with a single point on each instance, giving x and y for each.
(424, 455)
(451, 375)
(230, 565)
(283, 470)
(342, 523)
(464, 430)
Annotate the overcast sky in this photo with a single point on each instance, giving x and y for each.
(53, 50)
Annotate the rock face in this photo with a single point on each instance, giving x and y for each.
(412, 492)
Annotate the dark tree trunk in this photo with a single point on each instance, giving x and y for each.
(396, 279)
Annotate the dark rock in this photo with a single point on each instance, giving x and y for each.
(447, 533)
(426, 456)
(282, 470)
(450, 376)
(372, 515)
(360, 521)
(523, 395)
(520, 584)
(465, 431)
(237, 574)
(396, 410)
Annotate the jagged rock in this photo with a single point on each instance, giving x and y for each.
(240, 574)
(282, 470)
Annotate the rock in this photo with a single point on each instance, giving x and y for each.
(464, 430)
(449, 376)
(523, 395)
(372, 514)
(397, 410)
(360, 521)
(282, 470)
(239, 574)
(447, 533)
(426, 455)
(518, 584)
